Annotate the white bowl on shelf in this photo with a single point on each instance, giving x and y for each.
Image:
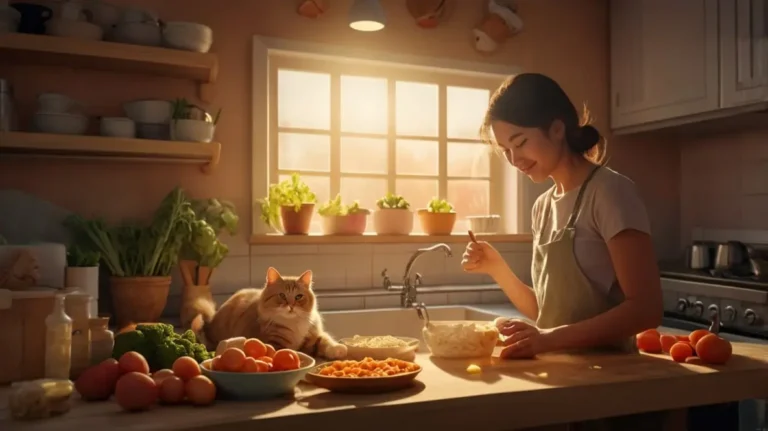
(104, 14)
(73, 29)
(117, 127)
(187, 36)
(9, 19)
(61, 124)
(192, 130)
(489, 224)
(149, 111)
(137, 33)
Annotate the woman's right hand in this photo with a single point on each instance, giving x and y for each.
(481, 258)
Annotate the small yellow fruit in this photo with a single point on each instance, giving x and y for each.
(474, 369)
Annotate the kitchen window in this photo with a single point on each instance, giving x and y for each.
(364, 127)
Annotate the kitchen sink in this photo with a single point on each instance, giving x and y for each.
(396, 322)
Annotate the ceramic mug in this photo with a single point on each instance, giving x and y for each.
(33, 17)
(71, 11)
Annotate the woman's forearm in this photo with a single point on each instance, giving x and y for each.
(626, 319)
(519, 293)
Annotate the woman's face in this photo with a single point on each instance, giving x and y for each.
(533, 151)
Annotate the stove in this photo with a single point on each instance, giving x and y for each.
(696, 298)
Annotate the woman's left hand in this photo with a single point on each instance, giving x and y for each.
(524, 341)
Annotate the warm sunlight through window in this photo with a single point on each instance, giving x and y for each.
(363, 130)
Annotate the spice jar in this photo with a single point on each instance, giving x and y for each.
(77, 307)
(102, 339)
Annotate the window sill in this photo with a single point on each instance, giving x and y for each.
(279, 239)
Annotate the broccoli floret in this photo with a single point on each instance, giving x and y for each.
(168, 352)
(134, 341)
(189, 335)
(156, 332)
(200, 353)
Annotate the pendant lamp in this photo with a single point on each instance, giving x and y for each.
(366, 15)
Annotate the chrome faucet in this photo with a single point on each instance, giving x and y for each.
(408, 289)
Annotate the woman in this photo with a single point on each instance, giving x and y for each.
(595, 278)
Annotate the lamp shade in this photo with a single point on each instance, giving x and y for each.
(366, 15)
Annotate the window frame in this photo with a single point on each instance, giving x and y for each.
(270, 54)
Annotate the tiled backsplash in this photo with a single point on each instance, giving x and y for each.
(358, 267)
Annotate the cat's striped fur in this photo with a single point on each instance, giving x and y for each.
(283, 313)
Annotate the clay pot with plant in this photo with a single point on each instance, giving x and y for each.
(341, 219)
(393, 216)
(139, 257)
(289, 206)
(438, 218)
(202, 252)
(192, 123)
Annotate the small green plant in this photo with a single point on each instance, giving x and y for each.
(183, 110)
(393, 201)
(335, 207)
(79, 257)
(291, 192)
(439, 206)
(203, 245)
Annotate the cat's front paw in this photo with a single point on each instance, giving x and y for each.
(336, 351)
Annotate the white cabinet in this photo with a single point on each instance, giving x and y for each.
(744, 52)
(664, 60)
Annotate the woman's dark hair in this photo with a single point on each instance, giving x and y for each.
(536, 100)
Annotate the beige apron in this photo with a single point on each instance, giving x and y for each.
(564, 294)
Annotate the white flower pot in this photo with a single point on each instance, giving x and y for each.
(86, 280)
(393, 221)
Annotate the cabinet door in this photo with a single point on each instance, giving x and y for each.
(664, 60)
(744, 52)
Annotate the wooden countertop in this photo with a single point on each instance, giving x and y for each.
(506, 395)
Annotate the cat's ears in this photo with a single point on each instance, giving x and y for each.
(273, 276)
(306, 278)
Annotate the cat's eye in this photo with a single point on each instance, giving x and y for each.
(299, 296)
(283, 297)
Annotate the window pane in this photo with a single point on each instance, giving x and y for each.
(303, 152)
(363, 155)
(466, 110)
(469, 197)
(416, 108)
(418, 193)
(303, 99)
(365, 190)
(363, 104)
(415, 157)
(469, 160)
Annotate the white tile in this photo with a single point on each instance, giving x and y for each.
(382, 301)
(356, 249)
(433, 298)
(233, 274)
(493, 297)
(460, 278)
(286, 265)
(405, 248)
(462, 298)
(359, 270)
(238, 244)
(393, 263)
(271, 250)
(331, 303)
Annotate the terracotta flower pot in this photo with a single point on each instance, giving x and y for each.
(296, 222)
(389, 221)
(436, 223)
(189, 297)
(350, 224)
(138, 299)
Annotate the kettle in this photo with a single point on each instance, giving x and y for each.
(730, 255)
(699, 255)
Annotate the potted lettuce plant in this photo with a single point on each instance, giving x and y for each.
(438, 218)
(393, 216)
(289, 205)
(341, 219)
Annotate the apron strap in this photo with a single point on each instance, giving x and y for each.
(577, 205)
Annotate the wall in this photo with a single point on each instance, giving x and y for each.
(566, 40)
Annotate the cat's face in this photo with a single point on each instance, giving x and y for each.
(289, 297)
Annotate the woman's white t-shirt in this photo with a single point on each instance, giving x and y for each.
(611, 204)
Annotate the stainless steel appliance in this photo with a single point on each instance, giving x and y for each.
(732, 295)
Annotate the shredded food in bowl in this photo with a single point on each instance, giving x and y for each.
(461, 340)
(376, 342)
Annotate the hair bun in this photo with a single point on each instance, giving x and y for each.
(588, 138)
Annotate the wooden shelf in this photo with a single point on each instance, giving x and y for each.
(112, 149)
(111, 57)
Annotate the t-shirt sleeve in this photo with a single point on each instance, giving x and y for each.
(618, 207)
(536, 212)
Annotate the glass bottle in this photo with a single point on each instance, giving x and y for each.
(102, 340)
(58, 342)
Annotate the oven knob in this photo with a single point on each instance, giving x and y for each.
(730, 314)
(682, 305)
(751, 317)
(698, 308)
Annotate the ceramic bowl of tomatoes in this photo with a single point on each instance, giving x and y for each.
(240, 376)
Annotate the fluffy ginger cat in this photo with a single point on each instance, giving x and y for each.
(283, 313)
